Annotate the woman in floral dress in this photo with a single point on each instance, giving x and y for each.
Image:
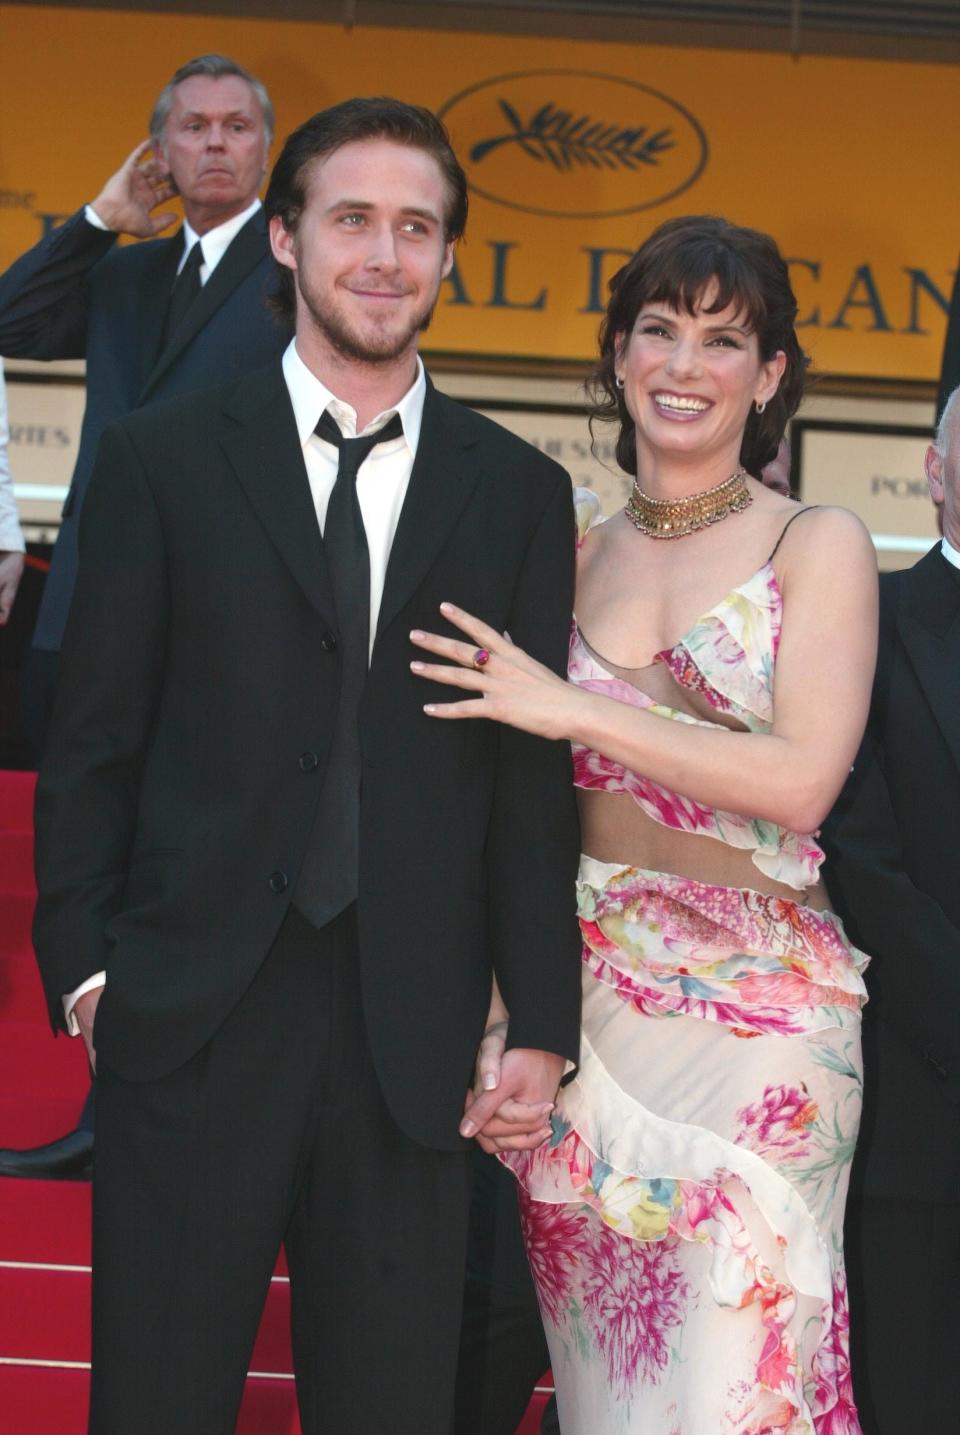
(684, 1219)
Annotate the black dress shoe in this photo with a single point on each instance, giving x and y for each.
(68, 1159)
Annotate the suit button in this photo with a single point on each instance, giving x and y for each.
(329, 642)
(308, 761)
(278, 882)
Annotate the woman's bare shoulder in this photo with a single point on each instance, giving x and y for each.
(824, 529)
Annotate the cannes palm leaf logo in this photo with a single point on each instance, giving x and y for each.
(554, 136)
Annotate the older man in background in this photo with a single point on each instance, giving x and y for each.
(153, 320)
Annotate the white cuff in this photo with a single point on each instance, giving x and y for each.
(99, 979)
(92, 217)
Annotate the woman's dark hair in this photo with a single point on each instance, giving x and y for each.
(347, 123)
(676, 266)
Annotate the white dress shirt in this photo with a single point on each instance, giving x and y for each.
(951, 554)
(11, 536)
(214, 244)
(384, 474)
(381, 488)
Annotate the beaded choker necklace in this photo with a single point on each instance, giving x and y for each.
(676, 517)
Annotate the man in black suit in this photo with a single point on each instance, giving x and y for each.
(153, 320)
(78, 294)
(893, 844)
(297, 885)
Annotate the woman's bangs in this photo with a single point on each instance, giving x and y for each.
(688, 275)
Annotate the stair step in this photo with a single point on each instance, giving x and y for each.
(269, 1408)
(21, 991)
(45, 1225)
(530, 1424)
(38, 1400)
(45, 1401)
(49, 1221)
(271, 1351)
(35, 1063)
(45, 1315)
(16, 916)
(34, 1122)
(45, 1221)
(16, 801)
(16, 861)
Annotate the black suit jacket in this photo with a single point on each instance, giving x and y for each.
(77, 294)
(893, 871)
(193, 722)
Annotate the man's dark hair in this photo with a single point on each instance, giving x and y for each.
(216, 67)
(346, 123)
(679, 264)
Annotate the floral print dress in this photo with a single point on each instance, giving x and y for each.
(684, 1222)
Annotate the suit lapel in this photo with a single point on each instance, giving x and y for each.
(929, 623)
(155, 283)
(243, 255)
(445, 472)
(263, 447)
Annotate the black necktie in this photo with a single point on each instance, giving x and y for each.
(185, 289)
(328, 880)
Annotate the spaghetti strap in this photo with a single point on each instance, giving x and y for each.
(808, 509)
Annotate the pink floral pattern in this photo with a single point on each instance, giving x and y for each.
(728, 657)
(614, 1246)
(684, 1222)
(634, 1298)
(779, 1122)
(741, 958)
(835, 1412)
(555, 1238)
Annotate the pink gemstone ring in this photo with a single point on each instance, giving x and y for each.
(481, 658)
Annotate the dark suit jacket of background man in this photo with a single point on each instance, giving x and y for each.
(78, 294)
(893, 871)
(203, 641)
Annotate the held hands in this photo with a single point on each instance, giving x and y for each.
(85, 1009)
(508, 685)
(127, 200)
(11, 571)
(513, 1114)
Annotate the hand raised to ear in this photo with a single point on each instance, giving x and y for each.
(129, 197)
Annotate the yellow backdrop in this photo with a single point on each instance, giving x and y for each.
(575, 151)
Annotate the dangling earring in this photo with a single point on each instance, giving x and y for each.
(759, 405)
(618, 381)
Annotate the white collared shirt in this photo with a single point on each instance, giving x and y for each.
(215, 242)
(381, 488)
(951, 554)
(384, 474)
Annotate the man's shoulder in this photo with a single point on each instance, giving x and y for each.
(498, 442)
(930, 581)
(133, 259)
(227, 401)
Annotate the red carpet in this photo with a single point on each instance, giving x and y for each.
(44, 1225)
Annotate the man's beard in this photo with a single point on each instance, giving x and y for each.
(368, 347)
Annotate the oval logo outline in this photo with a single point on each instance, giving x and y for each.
(666, 100)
